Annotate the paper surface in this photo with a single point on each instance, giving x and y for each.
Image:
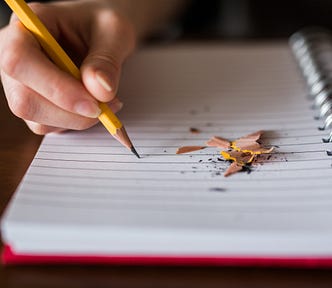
(84, 192)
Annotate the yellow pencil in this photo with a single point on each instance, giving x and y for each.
(31, 21)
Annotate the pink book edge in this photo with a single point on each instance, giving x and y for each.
(9, 257)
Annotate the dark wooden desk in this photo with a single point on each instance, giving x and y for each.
(17, 148)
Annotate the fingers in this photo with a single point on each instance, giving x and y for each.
(40, 129)
(23, 60)
(112, 40)
(29, 105)
(41, 115)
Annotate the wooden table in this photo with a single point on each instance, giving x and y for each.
(17, 148)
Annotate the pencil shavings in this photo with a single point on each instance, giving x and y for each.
(242, 152)
(245, 152)
(249, 144)
(218, 142)
(233, 168)
(187, 149)
(241, 158)
(253, 136)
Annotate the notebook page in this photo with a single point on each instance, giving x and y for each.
(84, 190)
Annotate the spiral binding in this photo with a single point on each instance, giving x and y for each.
(312, 48)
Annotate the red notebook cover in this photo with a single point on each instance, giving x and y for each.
(9, 257)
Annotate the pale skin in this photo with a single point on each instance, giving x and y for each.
(99, 35)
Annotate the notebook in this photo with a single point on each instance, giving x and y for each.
(86, 199)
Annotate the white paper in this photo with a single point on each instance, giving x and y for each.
(85, 193)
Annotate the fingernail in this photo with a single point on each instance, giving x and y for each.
(104, 81)
(116, 106)
(87, 108)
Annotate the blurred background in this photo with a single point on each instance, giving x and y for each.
(4, 13)
(234, 19)
(254, 18)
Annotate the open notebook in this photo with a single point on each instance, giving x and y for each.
(87, 199)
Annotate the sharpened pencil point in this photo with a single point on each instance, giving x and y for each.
(134, 151)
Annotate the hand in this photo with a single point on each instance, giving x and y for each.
(95, 34)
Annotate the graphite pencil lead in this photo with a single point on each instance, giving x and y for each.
(134, 151)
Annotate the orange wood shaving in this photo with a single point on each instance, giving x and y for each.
(245, 145)
(233, 168)
(239, 157)
(253, 136)
(187, 149)
(249, 144)
(219, 142)
(245, 151)
(253, 148)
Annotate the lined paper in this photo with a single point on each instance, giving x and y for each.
(85, 193)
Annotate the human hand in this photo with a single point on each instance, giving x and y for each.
(97, 36)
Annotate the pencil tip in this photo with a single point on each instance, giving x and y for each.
(134, 151)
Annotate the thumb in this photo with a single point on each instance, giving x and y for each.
(109, 47)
